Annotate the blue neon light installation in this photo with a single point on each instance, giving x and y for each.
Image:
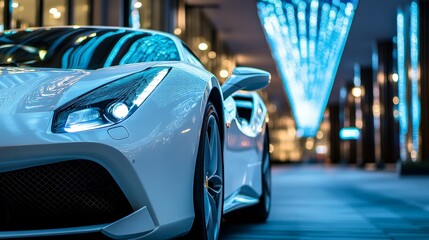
(414, 61)
(402, 85)
(307, 38)
(349, 133)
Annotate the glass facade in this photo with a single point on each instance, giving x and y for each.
(33, 13)
(142, 14)
(54, 13)
(24, 13)
(198, 32)
(81, 12)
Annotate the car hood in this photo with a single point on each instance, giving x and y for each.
(24, 90)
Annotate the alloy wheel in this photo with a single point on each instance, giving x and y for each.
(213, 185)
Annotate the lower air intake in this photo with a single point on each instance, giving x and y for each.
(66, 194)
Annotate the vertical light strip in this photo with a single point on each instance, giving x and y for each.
(402, 86)
(357, 84)
(307, 38)
(314, 7)
(414, 61)
(376, 106)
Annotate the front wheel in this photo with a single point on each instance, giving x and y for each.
(208, 180)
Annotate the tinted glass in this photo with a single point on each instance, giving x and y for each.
(83, 48)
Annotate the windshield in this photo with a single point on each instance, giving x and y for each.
(83, 48)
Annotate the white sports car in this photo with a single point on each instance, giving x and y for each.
(124, 132)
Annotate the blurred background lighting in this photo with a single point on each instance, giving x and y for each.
(177, 31)
(271, 148)
(138, 4)
(395, 100)
(395, 77)
(359, 123)
(319, 135)
(223, 73)
(53, 10)
(203, 46)
(321, 149)
(376, 110)
(212, 54)
(357, 92)
(349, 133)
(57, 15)
(309, 143)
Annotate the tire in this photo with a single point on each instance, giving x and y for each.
(208, 180)
(259, 212)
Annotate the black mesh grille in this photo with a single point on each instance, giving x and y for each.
(67, 194)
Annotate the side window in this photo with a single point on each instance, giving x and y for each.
(191, 57)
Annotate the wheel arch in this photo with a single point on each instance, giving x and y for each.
(216, 99)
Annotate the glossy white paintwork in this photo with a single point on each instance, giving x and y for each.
(245, 78)
(25, 90)
(151, 154)
(243, 153)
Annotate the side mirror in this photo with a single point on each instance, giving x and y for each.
(245, 78)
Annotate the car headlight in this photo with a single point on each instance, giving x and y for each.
(109, 104)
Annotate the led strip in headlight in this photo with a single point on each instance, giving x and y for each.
(109, 104)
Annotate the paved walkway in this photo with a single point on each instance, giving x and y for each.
(313, 202)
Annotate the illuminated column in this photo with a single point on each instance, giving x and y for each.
(383, 105)
(412, 73)
(415, 108)
(413, 87)
(357, 94)
(343, 123)
(424, 76)
(402, 78)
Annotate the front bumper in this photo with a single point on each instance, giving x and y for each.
(138, 222)
(160, 196)
(145, 219)
(145, 155)
(157, 186)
